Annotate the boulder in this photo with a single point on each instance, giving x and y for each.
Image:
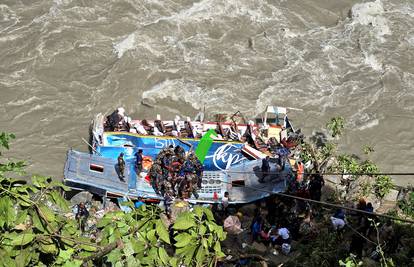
(258, 248)
(391, 196)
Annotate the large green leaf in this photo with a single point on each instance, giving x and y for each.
(174, 262)
(209, 214)
(65, 255)
(217, 247)
(131, 261)
(104, 222)
(202, 229)
(184, 221)
(73, 263)
(21, 217)
(23, 258)
(128, 249)
(7, 212)
(138, 245)
(60, 201)
(189, 254)
(153, 255)
(37, 223)
(39, 181)
(46, 213)
(183, 240)
(114, 256)
(200, 256)
(23, 239)
(87, 247)
(163, 255)
(198, 211)
(162, 232)
(49, 249)
(151, 236)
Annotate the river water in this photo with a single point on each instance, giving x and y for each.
(63, 61)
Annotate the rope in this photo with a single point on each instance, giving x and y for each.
(327, 204)
(335, 173)
(364, 237)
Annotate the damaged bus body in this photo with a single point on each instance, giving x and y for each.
(233, 161)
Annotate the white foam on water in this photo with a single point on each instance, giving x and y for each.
(410, 40)
(373, 62)
(177, 90)
(369, 124)
(22, 102)
(256, 10)
(187, 91)
(124, 45)
(62, 2)
(371, 13)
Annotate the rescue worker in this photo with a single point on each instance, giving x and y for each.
(82, 215)
(138, 161)
(265, 169)
(198, 166)
(315, 186)
(174, 171)
(300, 170)
(168, 201)
(121, 166)
(156, 176)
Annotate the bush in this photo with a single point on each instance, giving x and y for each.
(336, 126)
(382, 185)
(407, 205)
(35, 231)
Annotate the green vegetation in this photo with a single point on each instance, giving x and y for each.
(350, 261)
(382, 185)
(35, 230)
(336, 126)
(407, 205)
(325, 156)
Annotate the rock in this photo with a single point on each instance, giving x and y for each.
(259, 247)
(333, 179)
(369, 262)
(177, 207)
(83, 196)
(386, 206)
(391, 196)
(248, 209)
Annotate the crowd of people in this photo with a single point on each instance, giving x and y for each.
(175, 174)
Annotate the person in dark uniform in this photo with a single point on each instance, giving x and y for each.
(315, 186)
(138, 162)
(121, 166)
(265, 169)
(156, 176)
(81, 216)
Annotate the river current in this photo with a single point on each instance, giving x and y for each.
(63, 61)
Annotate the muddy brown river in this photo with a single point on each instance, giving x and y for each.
(63, 61)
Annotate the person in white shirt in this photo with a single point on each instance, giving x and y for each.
(279, 236)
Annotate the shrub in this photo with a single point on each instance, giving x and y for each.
(382, 185)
